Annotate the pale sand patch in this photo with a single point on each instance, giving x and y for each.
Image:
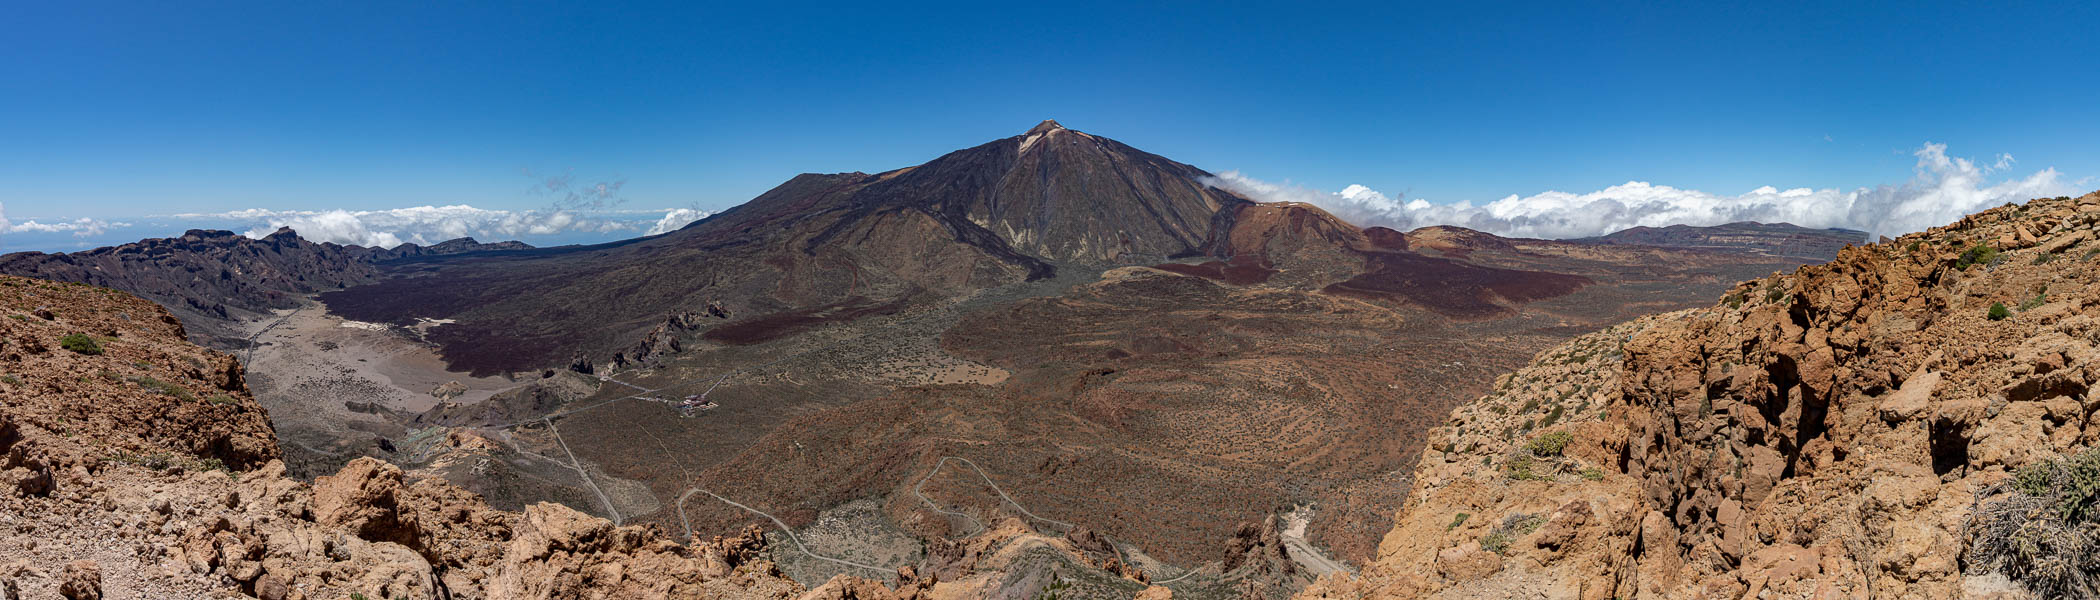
(401, 371)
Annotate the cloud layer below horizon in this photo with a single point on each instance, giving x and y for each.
(425, 225)
(1941, 190)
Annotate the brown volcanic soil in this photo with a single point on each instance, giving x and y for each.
(1454, 288)
(1165, 410)
(782, 324)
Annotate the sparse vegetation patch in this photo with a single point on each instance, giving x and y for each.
(1551, 444)
(80, 343)
(1514, 526)
(2039, 527)
(1978, 253)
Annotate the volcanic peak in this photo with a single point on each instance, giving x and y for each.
(1047, 126)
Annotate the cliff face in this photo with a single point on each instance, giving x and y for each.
(1826, 433)
(143, 461)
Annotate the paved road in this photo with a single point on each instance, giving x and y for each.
(776, 521)
(574, 464)
(248, 353)
(1311, 557)
(918, 490)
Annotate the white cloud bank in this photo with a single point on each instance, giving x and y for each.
(1942, 190)
(426, 225)
(81, 227)
(675, 219)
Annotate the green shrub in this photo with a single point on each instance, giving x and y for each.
(1978, 253)
(1512, 527)
(1457, 520)
(2043, 259)
(2033, 303)
(1734, 299)
(1552, 415)
(2040, 527)
(80, 343)
(1526, 468)
(163, 388)
(1774, 294)
(1998, 312)
(1551, 444)
(11, 380)
(1916, 244)
(1593, 474)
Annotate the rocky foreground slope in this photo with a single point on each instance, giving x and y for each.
(1888, 425)
(136, 465)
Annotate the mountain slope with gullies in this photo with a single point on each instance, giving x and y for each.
(1913, 419)
(816, 249)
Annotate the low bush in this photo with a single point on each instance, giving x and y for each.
(163, 388)
(2040, 527)
(1998, 312)
(1978, 253)
(1552, 416)
(1524, 468)
(80, 343)
(1514, 526)
(1551, 444)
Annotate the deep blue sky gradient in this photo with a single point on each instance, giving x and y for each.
(126, 109)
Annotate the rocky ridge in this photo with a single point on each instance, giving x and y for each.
(210, 278)
(1823, 433)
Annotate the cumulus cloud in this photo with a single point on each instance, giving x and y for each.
(417, 224)
(425, 225)
(1941, 190)
(81, 227)
(676, 218)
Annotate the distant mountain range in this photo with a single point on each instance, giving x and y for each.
(209, 278)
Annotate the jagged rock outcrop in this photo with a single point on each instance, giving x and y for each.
(664, 340)
(529, 401)
(1823, 433)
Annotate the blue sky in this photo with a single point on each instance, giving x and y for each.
(127, 111)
